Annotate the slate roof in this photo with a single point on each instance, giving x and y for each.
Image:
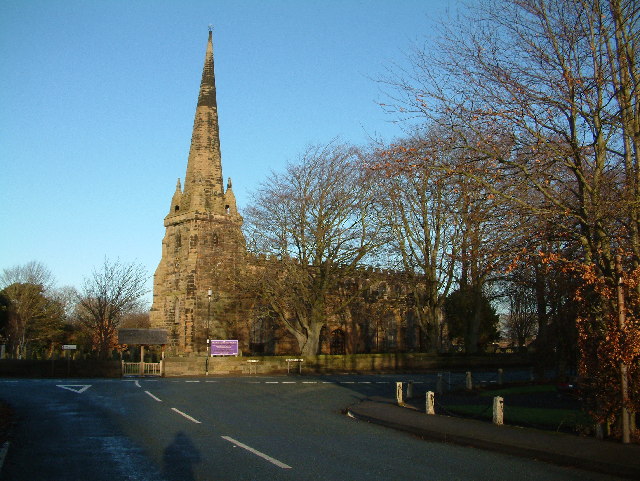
(142, 336)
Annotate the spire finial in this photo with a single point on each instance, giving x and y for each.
(210, 28)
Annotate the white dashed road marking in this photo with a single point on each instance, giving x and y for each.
(194, 420)
(154, 397)
(280, 464)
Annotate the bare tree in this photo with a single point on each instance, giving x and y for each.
(446, 228)
(417, 204)
(318, 219)
(547, 91)
(32, 315)
(67, 297)
(32, 272)
(106, 297)
(546, 94)
(138, 319)
(31, 319)
(521, 321)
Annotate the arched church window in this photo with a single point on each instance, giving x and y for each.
(390, 333)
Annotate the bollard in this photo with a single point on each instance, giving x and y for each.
(439, 389)
(399, 399)
(409, 389)
(469, 381)
(430, 403)
(500, 372)
(498, 410)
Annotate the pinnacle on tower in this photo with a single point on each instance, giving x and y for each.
(176, 200)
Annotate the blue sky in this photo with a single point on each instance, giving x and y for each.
(97, 100)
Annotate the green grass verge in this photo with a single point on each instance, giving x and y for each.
(536, 388)
(523, 416)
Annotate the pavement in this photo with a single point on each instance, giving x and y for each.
(591, 454)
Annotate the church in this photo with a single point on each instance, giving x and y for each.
(198, 290)
(203, 245)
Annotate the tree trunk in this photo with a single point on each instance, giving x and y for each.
(312, 344)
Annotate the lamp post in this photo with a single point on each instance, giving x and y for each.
(209, 292)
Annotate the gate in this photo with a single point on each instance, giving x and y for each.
(142, 368)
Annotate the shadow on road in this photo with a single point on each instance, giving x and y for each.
(179, 458)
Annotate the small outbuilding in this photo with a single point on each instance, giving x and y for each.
(143, 338)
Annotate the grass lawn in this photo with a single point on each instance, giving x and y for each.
(536, 388)
(526, 416)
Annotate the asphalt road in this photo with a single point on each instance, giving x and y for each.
(249, 428)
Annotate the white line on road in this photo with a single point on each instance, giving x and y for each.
(4, 449)
(154, 397)
(186, 416)
(77, 388)
(138, 383)
(288, 382)
(257, 453)
(192, 381)
(309, 382)
(272, 382)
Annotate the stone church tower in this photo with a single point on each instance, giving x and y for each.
(203, 249)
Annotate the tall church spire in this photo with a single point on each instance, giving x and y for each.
(203, 187)
(203, 248)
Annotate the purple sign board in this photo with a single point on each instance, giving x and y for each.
(224, 347)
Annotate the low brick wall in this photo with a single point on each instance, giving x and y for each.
(398, 362)
(238, 366)
(221, 366)
(327, 364)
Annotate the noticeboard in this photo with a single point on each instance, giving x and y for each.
(227, 347)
